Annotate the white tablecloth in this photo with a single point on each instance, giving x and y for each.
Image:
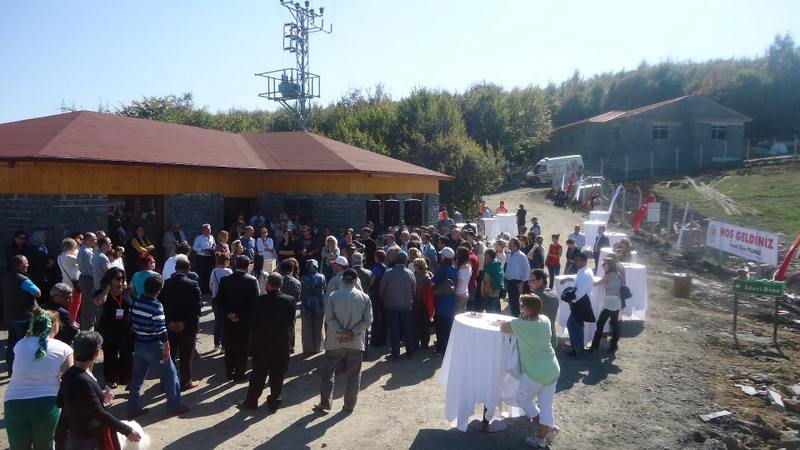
(491, 228)
(636, 279)
(508, 223)
(596, 297)
(474, 369)
(602, 216)
(590, 230)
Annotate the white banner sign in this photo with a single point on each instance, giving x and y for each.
(755, 245)
(654, 212)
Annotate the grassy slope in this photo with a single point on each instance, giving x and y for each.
(773, 191)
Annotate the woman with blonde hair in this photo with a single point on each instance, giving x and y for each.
(413, 254)
(328, 255)
(221, 245)
(612, 304)
(68, 263)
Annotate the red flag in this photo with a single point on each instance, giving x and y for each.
(571, 183)
(781, 273)
(590, 197)
(642, 213)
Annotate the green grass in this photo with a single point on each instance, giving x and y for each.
(773, 191)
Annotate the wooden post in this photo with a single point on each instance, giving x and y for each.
(626, 167)
(669, 221)
(701, 156)
(677, 165)
(775, 322)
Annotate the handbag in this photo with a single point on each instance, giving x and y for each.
(444, 289)
(75, 288)
(624, 293)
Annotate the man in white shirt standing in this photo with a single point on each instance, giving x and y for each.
(584, 282)
(517, 269)
(578, 237)
(204, 249)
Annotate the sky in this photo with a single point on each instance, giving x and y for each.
(91, 52)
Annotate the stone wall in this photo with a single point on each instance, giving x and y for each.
(193, 210)
(58, 215)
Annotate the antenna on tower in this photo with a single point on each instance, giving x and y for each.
(294, 87)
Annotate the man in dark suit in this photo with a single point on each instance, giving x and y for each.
(601, 241)
(181, 299)
(272, 325)
(60, 297)
(235, 296)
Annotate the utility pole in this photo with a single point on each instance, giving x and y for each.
(295, 87)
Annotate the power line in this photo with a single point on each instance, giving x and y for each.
(295, 87)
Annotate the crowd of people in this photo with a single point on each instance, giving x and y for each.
(353, 289)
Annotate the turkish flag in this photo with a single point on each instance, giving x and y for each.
(642, 213)
(571, 183)
(780, 275)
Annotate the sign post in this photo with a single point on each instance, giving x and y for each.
(758, 287)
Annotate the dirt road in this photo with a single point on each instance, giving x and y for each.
(648, 396)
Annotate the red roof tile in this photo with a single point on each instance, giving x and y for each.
(99, 137)
(616, 115)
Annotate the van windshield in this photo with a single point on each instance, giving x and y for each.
(539, 168)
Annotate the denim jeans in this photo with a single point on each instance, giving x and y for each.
(145, 356)
(400, 320)
(575, 329)
(219, 319)
(16, 331)
(491, 304)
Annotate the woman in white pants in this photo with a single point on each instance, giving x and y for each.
(540, 368)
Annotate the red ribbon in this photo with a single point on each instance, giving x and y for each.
(781, 273)
(642, 213)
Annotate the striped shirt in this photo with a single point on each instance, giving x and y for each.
(148, 320)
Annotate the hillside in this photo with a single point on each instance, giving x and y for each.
(760, 197)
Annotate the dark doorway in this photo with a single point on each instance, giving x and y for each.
(147, 211)
(236, 206)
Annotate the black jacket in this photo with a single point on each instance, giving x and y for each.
(67, 332)
(181, 299)
(82, 412)
(601, 242)
(236, 294)
(17, 304)
(272, 319)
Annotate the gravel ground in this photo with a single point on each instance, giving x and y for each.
(675, 366)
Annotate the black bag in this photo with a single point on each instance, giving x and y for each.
(624, 294)
(568, 295)
(582, 310)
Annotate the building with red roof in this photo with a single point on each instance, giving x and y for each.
(71, 172)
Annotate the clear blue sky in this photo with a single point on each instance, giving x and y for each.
(87, 51)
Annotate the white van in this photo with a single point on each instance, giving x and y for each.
(546, 169)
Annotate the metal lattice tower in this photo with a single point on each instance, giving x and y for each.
(295, 87)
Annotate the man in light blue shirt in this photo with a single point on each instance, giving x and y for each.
(578, 237)
(517, 268)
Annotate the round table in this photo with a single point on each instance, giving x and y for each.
(602, 216)
(491, 228)
(636, 280)
(508, 223)
(590, 228)
(474, 370)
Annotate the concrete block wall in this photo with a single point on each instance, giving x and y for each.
(58, 215)
(193, 210)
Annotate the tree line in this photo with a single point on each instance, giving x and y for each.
(477, 134)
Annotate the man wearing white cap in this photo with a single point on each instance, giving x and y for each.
(336, 283)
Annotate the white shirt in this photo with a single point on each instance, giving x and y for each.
(36, 378)
(69, 268)
(169, 267)
(216, 275)
(517, 266)
(579, 238)
(265, 248)
(584, 282)
(462, 285)
(203, 242)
